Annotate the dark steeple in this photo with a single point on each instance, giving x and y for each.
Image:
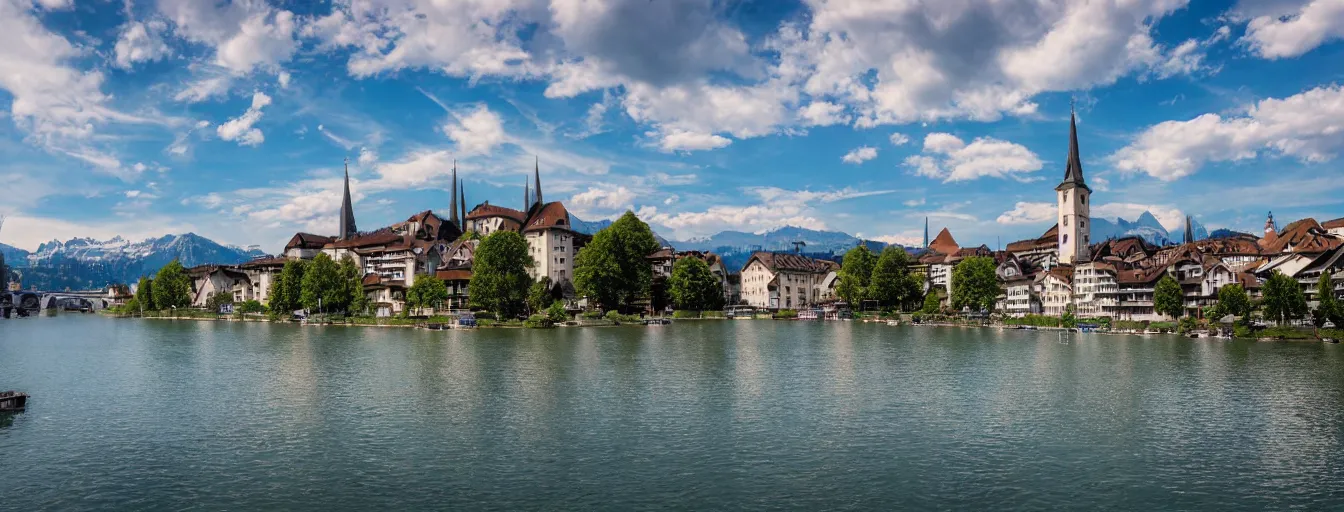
(537, 172)
(1189, 235)
(1073, 171)
(926, 232)
(527, 194)
(452, 208)
(462, 196)
(348, 228)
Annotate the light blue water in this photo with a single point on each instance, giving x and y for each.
(135, 414)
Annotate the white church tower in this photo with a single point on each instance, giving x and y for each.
(1074, 196)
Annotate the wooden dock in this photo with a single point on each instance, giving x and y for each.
(12, 401)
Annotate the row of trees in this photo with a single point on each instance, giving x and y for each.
(885, 278)
(321, 284)
(169, 288)
(1282, 300)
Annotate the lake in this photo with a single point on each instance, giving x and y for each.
(710, 415)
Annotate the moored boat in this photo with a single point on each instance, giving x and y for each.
(13, 401)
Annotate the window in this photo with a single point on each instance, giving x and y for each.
(1066, 222)
(1064, 240)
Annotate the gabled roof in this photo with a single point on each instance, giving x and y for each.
(552, 215)
(944, 242)
(366, 240)
(265, 262)
(486, 210)
(1333, 224)
(1305, 235)
(789, 262)
(307, 241)
(1048, 240)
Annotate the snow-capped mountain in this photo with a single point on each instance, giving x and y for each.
(1146, 227)
(84, 263)
(736, 246)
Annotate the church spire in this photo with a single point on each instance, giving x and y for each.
(452, 208)
(348, 228)
(537, 173)
(1073, 171)
(1189, 235)
(527, 194)
(926, 232)
(462, 196)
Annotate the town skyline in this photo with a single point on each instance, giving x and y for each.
(177, 120)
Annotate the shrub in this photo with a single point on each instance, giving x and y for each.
(556, 313)
(1187, 325)
(682, 313)
(786, 314)
(591, 315)
(485, 315)
(617, 317)
(538, 321)
(251, 306)
(1162, 326)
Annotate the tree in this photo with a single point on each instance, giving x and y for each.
(1328, 307)
(694, 287)
(931, 303)
(1233, 300)
(1167, 297)
(975, 284)
(144, 293)
(323, 286)
(1283, 298)
(892, 285)
(251, 306)
(287, 287)
(540, 296)
(856, 270)
(556, 313)
(499, 280)
(612, 269)
(427, 292)
(217, 299)
(172, 287)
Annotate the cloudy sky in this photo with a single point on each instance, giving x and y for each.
(232, 120)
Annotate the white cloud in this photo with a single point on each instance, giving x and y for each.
(909, 239)
(915, 202)
(671, 200)
(141, 42)
(1029, 213)
(283, 79)
(204, 88)
(948, 158)
(1305, 126)
(779, 195)
(241, 129)
(1286, 35)
(899, 139)
(859, 155)
(690, 141)
(477, 131)
(822, 113)
(603, 197)
(367, 157)
(28, 232)
(244, 35)
(756, 218)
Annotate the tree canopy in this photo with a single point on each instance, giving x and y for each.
(324, 285)
(1328, 306)
(540, 295)
(1283, 299)
(172, 287)
(1167, 297)
(856, 270)
(144, 293)
(613, 269)
(892, 285)
(1233, 300)
(975, 284)
(287, 287)
(694, 287)
(499, 279)
(427, 292)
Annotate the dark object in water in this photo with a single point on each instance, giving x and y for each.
(13, 401)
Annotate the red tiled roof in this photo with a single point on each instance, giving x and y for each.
(944, 242)
(486, 210)
(266, 262)
(1333, 224)
(307, 241)
(368, 240)
(552, 215)
(1305, 235)
(1047, 240)
(453, 275)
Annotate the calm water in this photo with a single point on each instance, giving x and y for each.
(132, 414)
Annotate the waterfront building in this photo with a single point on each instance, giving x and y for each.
(1334, 227)
(1096, 293)
(787, 281)
(1073, 194)
(305, 246)
(1055, 287)
(261, 273)
(207, 280)
(1019, 298)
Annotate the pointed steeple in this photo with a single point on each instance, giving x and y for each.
(452, 205)
(348, 228)
(1189, 235)
(527, 194)
(462, 195)
(537, 173)
(926, 232)
(1073, 171)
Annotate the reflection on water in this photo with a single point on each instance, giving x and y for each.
(697, 415)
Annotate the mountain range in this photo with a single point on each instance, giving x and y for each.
(85, 263)
(735, 247)
(1146, 226)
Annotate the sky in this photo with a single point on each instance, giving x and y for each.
(233, 120)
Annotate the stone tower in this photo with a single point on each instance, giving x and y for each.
(1074, 196)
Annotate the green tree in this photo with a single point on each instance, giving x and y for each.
(1167, 297)
(892, 285)
(556, 313)
(427, 292)
(540, 296)
(931, 303)
(286, 287)
(975, 284)
(323, 287)
(1233, 300)
(1328, 307)
(352, 278)
(144, 294)
(694, 287)
(499, 280)
(172, 287)
(612, 269)
(856, 270)
(217, 299)
(1283, 298)
(251, 306)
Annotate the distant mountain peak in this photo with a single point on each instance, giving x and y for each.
(85, 263)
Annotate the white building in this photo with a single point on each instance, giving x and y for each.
(787, 281)
(1073, 194)
(1095, 292)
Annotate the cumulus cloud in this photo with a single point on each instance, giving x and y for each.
(773, 208)
(606, 197)
(948, 158)
(367, 157)
(689, 141)
(859, 155)
(240, 128)
(244, 35)
(1305, 126)
(141, 42)
(822, 113)
(1029, 213)
(899, 139)
(476, 131)
(909, 239)
(1287, 33)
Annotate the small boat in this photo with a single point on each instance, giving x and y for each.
(466, 320)
(13, 401)
(657, 321)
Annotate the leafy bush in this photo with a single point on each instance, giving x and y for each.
(538, 321)
(786, 314)
(616, 316)
(1187, 325)
(1129, 325)
(485, 315)
(591, 315)
(682, 313)
(251, 306)
(1162, 326)
(556, 313)
(1242, 331)
(1285, 333)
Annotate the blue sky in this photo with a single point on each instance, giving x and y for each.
(232, 119)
